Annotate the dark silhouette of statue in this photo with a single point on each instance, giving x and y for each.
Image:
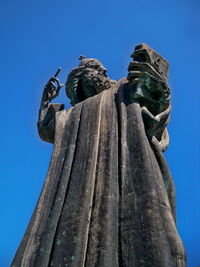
(108, 199)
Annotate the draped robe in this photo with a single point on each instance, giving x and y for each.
(108, 199)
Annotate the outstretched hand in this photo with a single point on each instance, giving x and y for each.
(52, 88)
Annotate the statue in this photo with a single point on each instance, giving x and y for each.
(108, 199)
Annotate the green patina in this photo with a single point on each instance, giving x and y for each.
(58, 242)
(64, 233)
(42, 250)
(75, 239)
(150, 96)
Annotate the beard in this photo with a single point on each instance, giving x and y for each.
(86, 82)
(95, 82)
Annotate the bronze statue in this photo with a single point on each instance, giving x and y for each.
(108, 199)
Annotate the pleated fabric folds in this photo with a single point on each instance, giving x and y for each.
(105, 201)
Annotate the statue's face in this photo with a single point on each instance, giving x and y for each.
(94, 80)
(95, 67)
(87, 80)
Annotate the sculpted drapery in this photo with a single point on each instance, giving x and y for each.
(108, 199)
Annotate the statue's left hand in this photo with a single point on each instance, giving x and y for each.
(156, 126)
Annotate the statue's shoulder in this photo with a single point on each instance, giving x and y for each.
(122, 81)
(60, 115)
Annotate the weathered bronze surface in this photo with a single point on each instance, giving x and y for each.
(108, 199)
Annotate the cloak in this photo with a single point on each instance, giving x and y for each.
(108, 199)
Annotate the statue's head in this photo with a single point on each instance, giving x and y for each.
(87, 80)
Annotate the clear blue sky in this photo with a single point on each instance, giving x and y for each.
(37, 37)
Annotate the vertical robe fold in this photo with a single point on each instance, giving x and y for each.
(105, 201)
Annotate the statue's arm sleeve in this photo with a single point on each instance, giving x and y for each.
(46, 121)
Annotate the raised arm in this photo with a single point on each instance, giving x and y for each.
(46, 119)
